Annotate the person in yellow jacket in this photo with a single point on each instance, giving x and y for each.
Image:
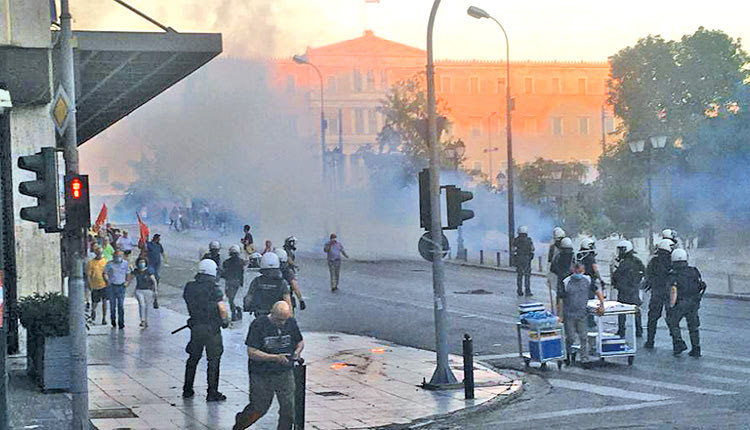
(97, 283)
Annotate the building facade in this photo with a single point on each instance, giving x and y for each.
(558, 111)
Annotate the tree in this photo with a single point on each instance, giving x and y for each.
(405, 110)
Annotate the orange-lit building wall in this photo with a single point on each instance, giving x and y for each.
(558, 110)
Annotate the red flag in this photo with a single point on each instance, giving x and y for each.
(144, 231)
(101, 218)
(372, 1)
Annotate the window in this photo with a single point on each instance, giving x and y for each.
(528, 85)
(359, 121)
(500, 86)
(557, 126)
(333, 123)
(609, 124)
(370, 80)
(530, 125)
(581, 85)
(446, 84)
(384, 79)
(104, 174)
(478, 166)
(331, 84)
(476, 126)
(290, 84)
(556, 89)
(357, 80)
(474, 85)
(583, 125)
(372, 121)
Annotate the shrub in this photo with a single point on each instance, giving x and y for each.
(45, 314)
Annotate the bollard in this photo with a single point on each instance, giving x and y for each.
(466, 255)
(481, 256)
(729, 283)
(468, 367)
(300, 385)
(540, 264)
(498, 259)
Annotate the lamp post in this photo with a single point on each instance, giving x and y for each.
(301, 59)
(637, 146)
(490, 149)
(478, 13)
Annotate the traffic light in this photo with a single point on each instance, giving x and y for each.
(77, 211)
(455, 197)
(45, 189)
(425, 211)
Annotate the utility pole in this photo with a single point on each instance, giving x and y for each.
(443, 374)
(73, 239)
(604, 131)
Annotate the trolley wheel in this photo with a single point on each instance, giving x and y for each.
(601, 359)
(543, 366)
(630, 360)
(559, 364)
(526, 362)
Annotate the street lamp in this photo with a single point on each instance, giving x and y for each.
(301, 59)
(637, 146)
(478, 13)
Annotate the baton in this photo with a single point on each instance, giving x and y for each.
(180, 329)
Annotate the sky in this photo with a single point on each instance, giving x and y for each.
(589, 30)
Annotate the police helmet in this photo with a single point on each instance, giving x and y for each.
(566, 243)
(558, 233)
(523, 230)
(283, 258)
(234, 249)
(679, 255)
(207, 267)
(587, 244)
(254, 260)
(670, 234)
(290, 242)
(214, 245)
(665, 245)
(269, 261)
(625, 245)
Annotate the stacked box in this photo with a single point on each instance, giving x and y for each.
(551, 347)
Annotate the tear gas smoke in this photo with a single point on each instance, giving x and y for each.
(225, 136)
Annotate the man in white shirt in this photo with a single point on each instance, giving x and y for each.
(125, 245)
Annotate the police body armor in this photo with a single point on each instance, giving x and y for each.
(690, 286)
(265, 290)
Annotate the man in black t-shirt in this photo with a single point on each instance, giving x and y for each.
(273, 342)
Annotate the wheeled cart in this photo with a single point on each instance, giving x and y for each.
(604, 342)
(541, 344)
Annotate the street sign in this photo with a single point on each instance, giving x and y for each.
(60, 110)
(426, 246)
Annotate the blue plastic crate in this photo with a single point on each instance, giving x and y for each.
(551, 347)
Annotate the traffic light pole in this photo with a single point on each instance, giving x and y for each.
(443, 374)
(73, 239)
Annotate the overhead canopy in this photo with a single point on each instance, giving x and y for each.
(116, 72)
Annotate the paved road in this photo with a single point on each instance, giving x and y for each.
(393, 301)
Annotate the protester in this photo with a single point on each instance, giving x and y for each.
(97, 283)
(155, 256)
(145, 284)
(107, 250)
(125, 244)
(117, 274)
(268, 247)
(247, 240)
(233, 271)
(334, 250)
(273, 342)
(573, 297)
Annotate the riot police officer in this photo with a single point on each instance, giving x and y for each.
(523, 255)
(233, 271)
(587, 257)
(290, 276)
(202, 297)
(562, 266)
(686, 291)
(268, 288)
(214, 247)
(290, 246)
(657, 272)
(626, 279)
(558, 234)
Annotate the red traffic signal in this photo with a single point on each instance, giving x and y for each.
(77, 211)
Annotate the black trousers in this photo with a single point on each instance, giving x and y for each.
(687, 309)
(656, 305)
(209, 338)
(634, 300)
(232, 287)
(523, 274)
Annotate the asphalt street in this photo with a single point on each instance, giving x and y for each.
(392, 300)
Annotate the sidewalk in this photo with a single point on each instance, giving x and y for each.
(135, 382)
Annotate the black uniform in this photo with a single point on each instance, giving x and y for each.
(523, 255)
(233, 270)
(561, 265)
(265, 290)
(626, 279)
(690, 288)
(657, 273)
(202, 296)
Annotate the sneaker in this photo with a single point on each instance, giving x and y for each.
(187, 393)
(143, 324)
(215, 397)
